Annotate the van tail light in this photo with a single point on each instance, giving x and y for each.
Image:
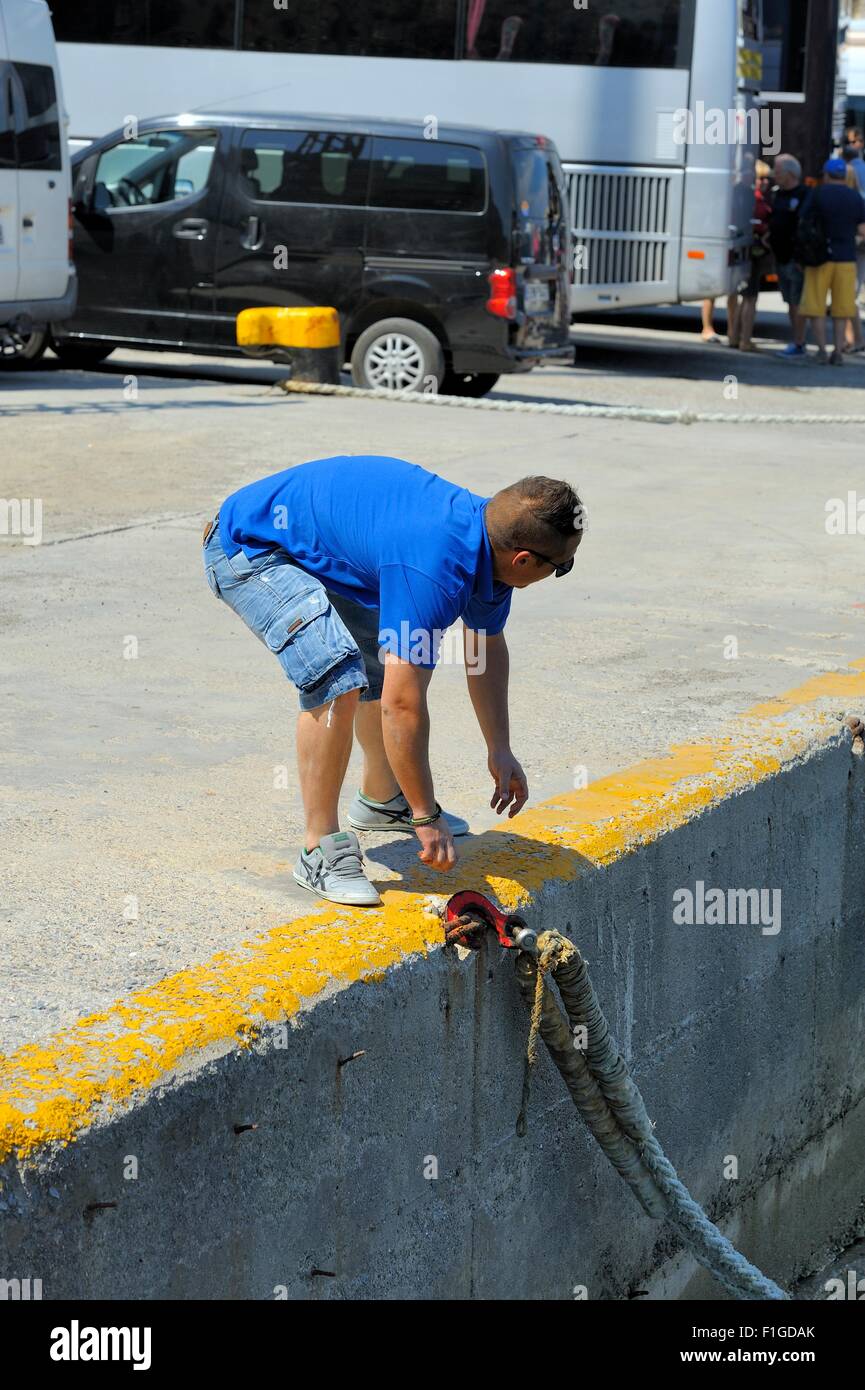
(503, 293)
(71, 225)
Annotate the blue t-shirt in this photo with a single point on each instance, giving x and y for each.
(384, 533)
(843, 210)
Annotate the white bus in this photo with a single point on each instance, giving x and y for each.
(37, 279)
(661, 213)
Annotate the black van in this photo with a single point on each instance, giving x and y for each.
(447, 257)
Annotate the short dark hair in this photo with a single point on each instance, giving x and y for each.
(534, 512)
(849, 153)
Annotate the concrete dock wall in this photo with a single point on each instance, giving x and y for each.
(133, 1170)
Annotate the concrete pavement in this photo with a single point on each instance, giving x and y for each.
(150, 816)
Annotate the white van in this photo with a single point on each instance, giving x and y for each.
(37, 278)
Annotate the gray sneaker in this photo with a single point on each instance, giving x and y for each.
(334, 870)
(364, 814)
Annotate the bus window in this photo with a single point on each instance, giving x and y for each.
(749, 19)
(8, 153)
(305, 166)
(427, 174)
(785, 28)
(166, 23)
(369, 28)
(39, 140)
(627, 33)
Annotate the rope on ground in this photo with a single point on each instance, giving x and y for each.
(613, 1110)
(587, 412)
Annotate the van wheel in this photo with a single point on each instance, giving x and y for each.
(398, 355)
(21, 350)
(468, 383)
(81, 352)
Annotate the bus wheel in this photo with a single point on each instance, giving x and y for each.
(22, 350)
(468, 383)
(81, 352)
(398, 355)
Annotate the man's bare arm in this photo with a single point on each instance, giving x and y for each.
(405, 730)
(487, 673)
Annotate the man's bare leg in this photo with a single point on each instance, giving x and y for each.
(819, 329)
(747, 315)
(733, 320)
(322, 758)
(708, 310)
(379, 783)
(853, 332)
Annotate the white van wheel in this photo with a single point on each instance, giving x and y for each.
(18, 351)
(398, 355)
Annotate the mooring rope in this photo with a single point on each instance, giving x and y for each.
(587, 412)
(613, 1109)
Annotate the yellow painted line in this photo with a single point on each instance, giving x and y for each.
(50, 1091)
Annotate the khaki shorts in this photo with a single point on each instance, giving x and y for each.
(837, 277)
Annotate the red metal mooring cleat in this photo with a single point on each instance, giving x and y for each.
(510, 929)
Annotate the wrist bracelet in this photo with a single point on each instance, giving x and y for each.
(419, 821)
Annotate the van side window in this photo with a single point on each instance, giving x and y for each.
(39, 137)
(304, 166)
(8, 153)
(427, 174)
(157, 167)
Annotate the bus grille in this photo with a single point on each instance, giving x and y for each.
(621, 226)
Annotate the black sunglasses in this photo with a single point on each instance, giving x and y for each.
(561, 570)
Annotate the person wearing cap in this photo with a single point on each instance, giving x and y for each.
(842, 213)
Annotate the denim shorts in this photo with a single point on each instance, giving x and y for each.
(791, 282)
(326, 644)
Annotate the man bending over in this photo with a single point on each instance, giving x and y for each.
(350, 570)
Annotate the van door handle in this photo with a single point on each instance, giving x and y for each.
(253, 235)
(191, 229)
(27, 222)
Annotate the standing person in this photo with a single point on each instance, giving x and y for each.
(789, 197)
(350, 570)
(856, 179)
(761, 259)
(840, 211)
(852, 156)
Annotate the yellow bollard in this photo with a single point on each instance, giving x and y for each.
(306, 338)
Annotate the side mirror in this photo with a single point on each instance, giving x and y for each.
(100, 199)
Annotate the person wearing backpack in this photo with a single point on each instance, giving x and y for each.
(826, 245)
